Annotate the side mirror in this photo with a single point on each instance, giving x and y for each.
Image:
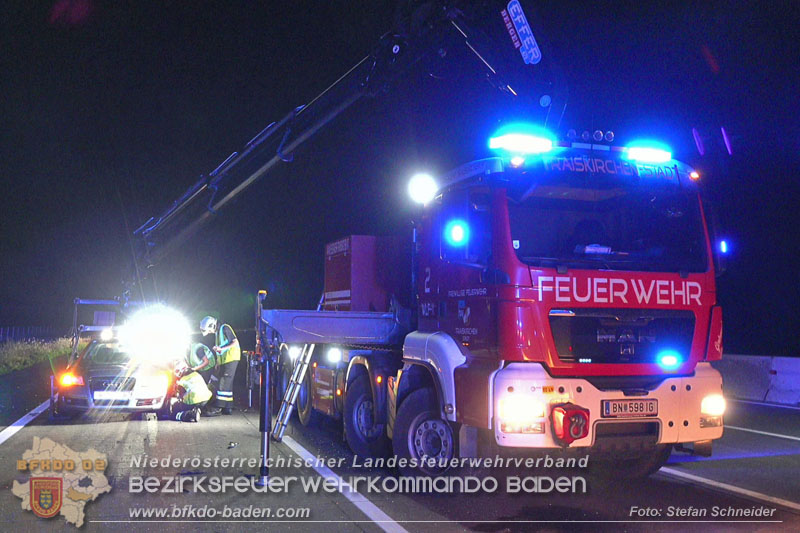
(720, 246)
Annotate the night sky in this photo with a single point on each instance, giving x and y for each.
(110, 110)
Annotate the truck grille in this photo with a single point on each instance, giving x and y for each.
(111, 384)
(620, 335)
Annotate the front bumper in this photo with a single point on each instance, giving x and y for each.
(678, 419)
(80, 399)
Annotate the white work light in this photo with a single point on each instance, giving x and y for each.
(422, 188)
(294, 351)
(334, 355)
(156, 333)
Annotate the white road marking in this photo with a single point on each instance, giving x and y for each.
(152, 431)
(373, 512)
(732, 488)
(11, 430)
(767, 433)
(765, 404)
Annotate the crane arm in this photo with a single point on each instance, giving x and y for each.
(506, 49)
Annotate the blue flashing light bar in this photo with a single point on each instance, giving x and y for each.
(648, 154)
(521, 138)
(456, 233)
(723, 246)
(669, 359)
(521, 143)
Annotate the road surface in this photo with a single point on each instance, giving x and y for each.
(755, 465)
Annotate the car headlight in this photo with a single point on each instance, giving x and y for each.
(521, 413)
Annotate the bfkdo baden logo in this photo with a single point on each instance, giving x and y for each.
(62, 481)
(46, 496)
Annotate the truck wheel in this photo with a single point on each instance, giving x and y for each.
(638, 467)
(421, 432)
(365, 438)
(305, 412)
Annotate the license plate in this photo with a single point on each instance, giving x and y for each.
(112, 395)
(629, 408)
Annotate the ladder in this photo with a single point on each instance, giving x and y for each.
(293, 389)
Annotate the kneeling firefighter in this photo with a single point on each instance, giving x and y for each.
(228, 355)
(192, 394)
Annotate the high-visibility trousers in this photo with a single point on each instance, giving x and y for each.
(227, 371)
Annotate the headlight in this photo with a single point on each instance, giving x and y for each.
(713, 405)
(521, 414)
(156, 333)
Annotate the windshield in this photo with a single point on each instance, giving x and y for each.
(106, 354)
(614, 224)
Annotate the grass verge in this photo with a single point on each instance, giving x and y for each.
(16, 355)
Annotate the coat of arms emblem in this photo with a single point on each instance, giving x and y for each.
(46, 495)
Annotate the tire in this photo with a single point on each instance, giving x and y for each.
(638, 467)
(420, 430)
(305, 412)
(364, 437)
(164, 412)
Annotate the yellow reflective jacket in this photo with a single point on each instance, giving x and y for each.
(227, 355)
(196, 389)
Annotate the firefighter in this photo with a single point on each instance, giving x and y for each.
(202, 360)
(192, 394)
(228, 354)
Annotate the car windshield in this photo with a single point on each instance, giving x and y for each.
(106, 354)
(609, 223)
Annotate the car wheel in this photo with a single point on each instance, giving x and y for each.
(365, 437)
(420, 432)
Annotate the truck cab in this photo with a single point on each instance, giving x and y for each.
(567, 299)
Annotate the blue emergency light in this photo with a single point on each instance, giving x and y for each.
(648, 152)
(456, 233)
(669, 359)
(522, 139)
(521, 143)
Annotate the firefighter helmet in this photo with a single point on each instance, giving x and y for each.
(208, 325)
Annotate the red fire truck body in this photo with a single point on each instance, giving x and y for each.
(557, 306)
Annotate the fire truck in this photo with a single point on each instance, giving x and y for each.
(557, 294)
(564, 297)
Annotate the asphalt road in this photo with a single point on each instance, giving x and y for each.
(749, 469)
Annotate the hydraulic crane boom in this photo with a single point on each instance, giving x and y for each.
(499, 38)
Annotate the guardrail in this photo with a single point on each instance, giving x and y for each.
(23, 333)
(761, 378)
